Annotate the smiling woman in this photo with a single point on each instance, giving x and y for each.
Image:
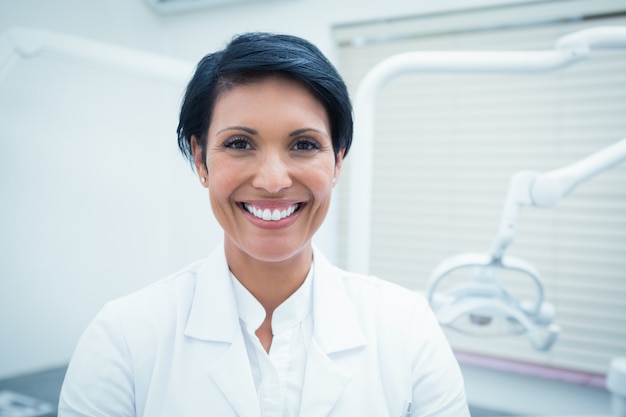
(265, 326)
(255, 165)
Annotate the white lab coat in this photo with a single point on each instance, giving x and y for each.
(176, 348)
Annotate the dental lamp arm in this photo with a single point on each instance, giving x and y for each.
(529, 188)
(21, 43)
(568, 50)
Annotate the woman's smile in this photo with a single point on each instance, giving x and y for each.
(271, 212)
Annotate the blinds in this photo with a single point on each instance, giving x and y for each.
(446, 147)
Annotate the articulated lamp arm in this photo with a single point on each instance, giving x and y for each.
(568, 50)
(529, 188)
(484, 297)
(487, 297)
(22, 44)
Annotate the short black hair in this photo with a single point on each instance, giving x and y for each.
(253, 56)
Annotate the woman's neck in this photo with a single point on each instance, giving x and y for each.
(271, 283)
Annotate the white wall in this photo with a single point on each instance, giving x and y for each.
(96, 202)
(191, 35)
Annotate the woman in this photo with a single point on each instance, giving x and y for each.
(265, 326)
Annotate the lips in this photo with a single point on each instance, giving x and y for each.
(271, 213)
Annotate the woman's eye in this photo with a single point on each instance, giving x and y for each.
(307, 145)
(237, 143)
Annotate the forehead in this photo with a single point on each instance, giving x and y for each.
(275, 97)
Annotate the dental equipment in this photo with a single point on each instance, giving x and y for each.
(23, 43)
(484, 300)
(568, 50)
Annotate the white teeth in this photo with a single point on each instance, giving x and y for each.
(269, 215)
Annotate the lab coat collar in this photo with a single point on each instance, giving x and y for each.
(213, 318)
(335, 329)
(336, 326)
(213, 315)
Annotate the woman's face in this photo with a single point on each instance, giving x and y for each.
(270, 168)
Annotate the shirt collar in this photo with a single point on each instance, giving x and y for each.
(291, 312)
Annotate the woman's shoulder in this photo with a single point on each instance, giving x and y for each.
(387, 294)
(365, 284)
(375, 300)
(158, 307)
(373, 292)
(176, 286)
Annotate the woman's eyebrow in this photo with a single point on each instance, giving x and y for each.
(251, 131)
(305, 130)
(244, 128)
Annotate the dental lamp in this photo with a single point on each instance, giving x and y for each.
(487, 302)
(484, 298)
(568, 50)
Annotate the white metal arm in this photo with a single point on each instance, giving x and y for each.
(484, 298)
(21, 43)
(529, 188)
(569, 50)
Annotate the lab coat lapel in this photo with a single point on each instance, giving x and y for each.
(214, 319)
(233, 376)
(336, 329)
(324, 383)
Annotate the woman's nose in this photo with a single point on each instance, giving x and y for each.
(272, 175)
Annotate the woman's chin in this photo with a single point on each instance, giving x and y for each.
(276, 251)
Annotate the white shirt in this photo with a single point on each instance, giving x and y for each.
(279, 374)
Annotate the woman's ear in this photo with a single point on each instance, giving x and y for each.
(198, 161)
(338, 165)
